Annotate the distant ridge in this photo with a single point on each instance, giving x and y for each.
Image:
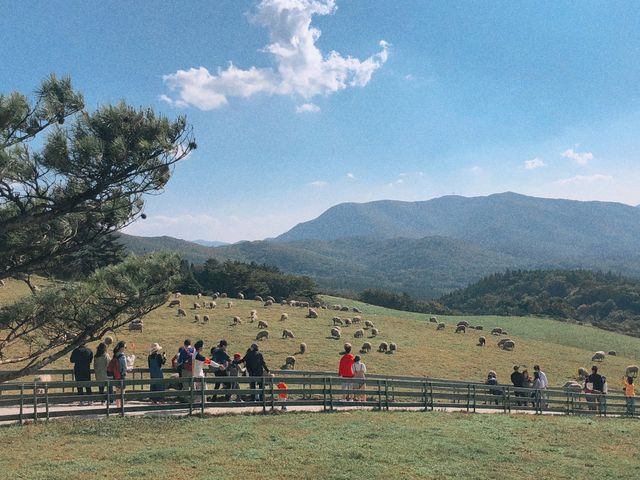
(210, 243)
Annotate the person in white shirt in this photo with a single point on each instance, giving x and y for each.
(543, 376)
(359, 370)
(199, 362)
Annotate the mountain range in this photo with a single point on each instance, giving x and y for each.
(432, 247)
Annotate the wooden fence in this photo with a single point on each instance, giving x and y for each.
(34, 401)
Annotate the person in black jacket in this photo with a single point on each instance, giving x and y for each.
(517, 379)
(81, 358)
(256, 367)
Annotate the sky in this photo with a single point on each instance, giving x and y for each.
(298, 105)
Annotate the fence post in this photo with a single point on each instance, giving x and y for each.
(379, 395)
(191, 394)
(108, 397)
(474, 398)
(331, 394)
(506, 399)
(468, 397)
(122, 397)
(386, 394)
(324, 394)
(424, 395)
(63, 379)
(273, 405)
(431, 395)
(202, 391)
(35, 402)
(21, 402)
(46, 400)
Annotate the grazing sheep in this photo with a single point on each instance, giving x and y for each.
(479, 327)
(572, 387)
(357, 319)
(262, 335)
(337, 321)
(303, 348)
(182, 312)
(433, 319)
(344, 309)
(240, 296)
(215, 296)
(393, 347)
(253, 316)
(612, 353)
(482, 342)
(461, 329)
(292, 303)
(440, 326)
(205, 318)
(223, 295)
(503, 341)
(356, 310)
(287, 334)
(258, 298)
(598, 356)
(196, 305)
(358, 333)
(582, 373)
(196, 318)
(368, 324)
(268, 303)
(289, 363)
(229, 304)
(136, 326)
(177, 295)
(504, 332)
(384, 347)
(175, 303)
(262, 324)
(284, 303)
(199, 295)
(312, 313)
(303, 304)
(237, 321)
(496, 331)
(213, 304)
(347, 322)
(270, 298)
(316, 305)
(335, 333)
(508, 345)
(284, 317)
(631, 371)
(374, 332)
(366, 347)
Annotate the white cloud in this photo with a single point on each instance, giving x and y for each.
(409, 77)
(534, 163)
(300, 69)
(318, 184)
(585, 180)
(351, 176)
(580, 158)
(307, 108)
(475, 169)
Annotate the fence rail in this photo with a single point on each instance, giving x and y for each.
(34, 401)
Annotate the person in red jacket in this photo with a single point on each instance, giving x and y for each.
(345, 369)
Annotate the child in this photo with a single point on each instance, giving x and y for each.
(236, 369)
(359, 370)
(630, 392)
(282, 394)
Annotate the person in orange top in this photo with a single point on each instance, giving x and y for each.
(345, 369)
(282, 394)
(630, 393)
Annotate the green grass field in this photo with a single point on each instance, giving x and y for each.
(342, 445)
(559, 347)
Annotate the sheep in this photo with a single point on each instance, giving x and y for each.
(287, 334)
(572, 387)
(262, 335)
(355, 310)
(598, 356)
(482, 342)
(347, 322)
(335, 333)
(316, 305)
(199, 295)
(582, 373)
(374, 332)
(312, 314)
(337, 321)
(366, 347)
(174, 303)
(303, 348)
(196, 305)
(229, 304)
(215, 296)
(177, 295)
(358, 334)
(631, 371)
(205, 319)
(271, 299)
(383, 347)
(368, 323)
(292, 303)
(508, 345)
(344, 309)
(258, 298)
(460, 329)
(262, 324)
(253, 316)
(213, 305)
(612, 353)
(284, 317)
(393, 347)
(283, 303)
(336, 307)
(268, 303)
(504, 332)
(196, 318)
(503, 341)
(223, 295)
(289, 363)
(136, 326)
(237, 321)
(356, 320)
(182, 312)
(433, 319)
(463, 323)
(440, 326)
(240, 296)
(303, 304)
(479, 327)
(496, 331)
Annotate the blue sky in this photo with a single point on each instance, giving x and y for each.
(420, 99)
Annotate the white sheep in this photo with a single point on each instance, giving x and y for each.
(335, 333)
(393, 347)
(337, 321)
(384, 347)
(174, 303)
(268, 303)
(290, 363)
(196, 318)
(509, 345)
(358, 333)
(258, 298)
(287, 334)
(284, 317)
(229, 304)
(433, 319)
(205, 318)
(240, 296)
(440, 326)
(182, 312)
(196, 305)
(303, 348)
(262, 324)
(374, 332)
(262, 335)
(212, 305)
(312, 313)
(356, 320)
(631, 371)
(366, 347)
(237, 321)
(598, 356)
(368, 324)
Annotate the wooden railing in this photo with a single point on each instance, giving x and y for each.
(25, 401)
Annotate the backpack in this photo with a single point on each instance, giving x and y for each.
(113, 369)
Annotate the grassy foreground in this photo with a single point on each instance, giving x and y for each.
(324, 445)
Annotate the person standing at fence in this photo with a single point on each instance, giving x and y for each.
(359, 370)
(156, 361)
(492, 380)
(184, 363)
(100, 363)
(282, 394)
(199, 363)
(235, 369)
(256, 367)
(517, 379)
(345, 370)
(219, 355)
(117, 369)
(538, 387)
(630, 394)
(81, 357)
(593, 388)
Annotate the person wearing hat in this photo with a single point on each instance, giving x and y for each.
(156, 360)
(517, 379)
(219, 355)
(256, 367)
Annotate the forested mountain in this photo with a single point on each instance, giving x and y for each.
(606, 300)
